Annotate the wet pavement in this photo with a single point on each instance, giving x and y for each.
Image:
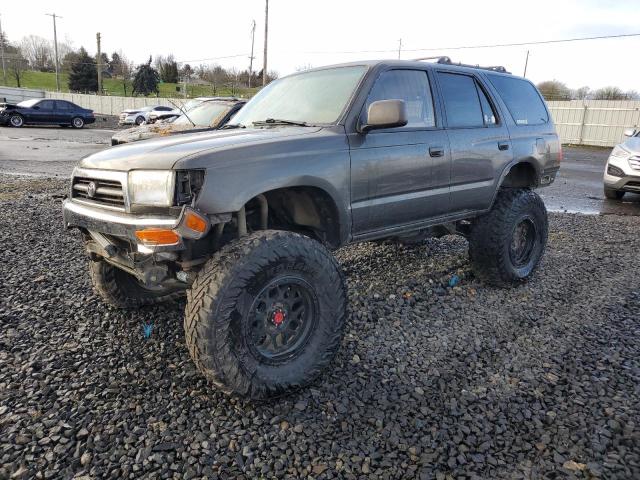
(578, 187)
(53, 152)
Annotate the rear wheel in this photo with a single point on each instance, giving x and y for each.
(613, 194)
(16, 120)
(506, 244)
(77, 122)
(122, 290)
(266, 314)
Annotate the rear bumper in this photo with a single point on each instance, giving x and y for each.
(90, 120)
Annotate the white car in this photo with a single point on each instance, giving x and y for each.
(176, 112)
(138, 116)
(622, 172)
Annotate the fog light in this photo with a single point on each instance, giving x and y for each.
(157, 236)
(614, 171)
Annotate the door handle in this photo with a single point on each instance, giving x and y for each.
(436, 151)
(503, 146)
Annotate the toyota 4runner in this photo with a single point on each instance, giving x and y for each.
(243, 220)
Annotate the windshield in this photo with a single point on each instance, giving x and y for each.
(29, 103)
(315, 97)
(208, 114)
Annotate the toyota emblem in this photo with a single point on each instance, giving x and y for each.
(91, 189)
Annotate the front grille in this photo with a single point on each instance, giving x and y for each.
(634, 162)
(102, 192)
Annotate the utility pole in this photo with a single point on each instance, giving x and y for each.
(266, 30)
(399, 48)
(55, 48)
(4, 71)
(526, 62)
(253, 36)
(99, 62)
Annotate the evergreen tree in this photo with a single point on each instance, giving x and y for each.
(169, 70)
(146, 79)
(83, 76)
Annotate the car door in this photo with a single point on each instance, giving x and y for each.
(478, 137)
(43, 112)
(64, 112)
(400, 176)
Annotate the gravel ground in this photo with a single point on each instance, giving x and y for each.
(432, 381)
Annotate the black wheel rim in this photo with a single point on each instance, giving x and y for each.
(523, 241)
(281, 319)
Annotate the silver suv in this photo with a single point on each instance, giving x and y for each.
(622, 173)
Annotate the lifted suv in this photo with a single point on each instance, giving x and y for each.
(242, 220)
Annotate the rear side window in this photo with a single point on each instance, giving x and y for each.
(522, 100)
(465, 103)
(63, 106)
(412, 86)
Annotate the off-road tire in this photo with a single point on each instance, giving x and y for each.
(219, 305)
(121, 290)
(16, 120)
(613, 194)
(492, 234)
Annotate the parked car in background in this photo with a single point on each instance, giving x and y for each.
(45, 111)
(622, 173)
(176, 112)
(138, 116)
(209, 115)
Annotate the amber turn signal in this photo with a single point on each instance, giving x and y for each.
(195, 222)
(157, 236)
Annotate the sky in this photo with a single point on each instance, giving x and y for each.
(304, 33)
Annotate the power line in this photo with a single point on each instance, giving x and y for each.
(463, 47)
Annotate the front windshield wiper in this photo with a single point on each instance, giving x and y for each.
(279, 121)
(229, 126)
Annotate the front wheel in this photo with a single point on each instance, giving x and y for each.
(122, 290)
(506, 244)
(613, 194)
(77, 122)
(139, 120)
(266, 314)
(16, 121)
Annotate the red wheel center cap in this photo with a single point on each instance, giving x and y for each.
(278, 317)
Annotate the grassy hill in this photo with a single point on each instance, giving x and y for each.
(114, 86)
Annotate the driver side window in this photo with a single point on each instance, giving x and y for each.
(412, 86)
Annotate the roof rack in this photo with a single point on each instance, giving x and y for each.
(447, 61)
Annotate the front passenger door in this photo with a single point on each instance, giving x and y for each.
(45, 113)
(400, 176)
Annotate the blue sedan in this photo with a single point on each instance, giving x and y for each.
(43, 111)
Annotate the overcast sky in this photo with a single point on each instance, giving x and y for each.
(303, 33)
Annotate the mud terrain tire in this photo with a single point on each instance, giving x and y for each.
(506, 244)
(253, 297)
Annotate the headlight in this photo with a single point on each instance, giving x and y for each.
(619, 152)
(151, 187)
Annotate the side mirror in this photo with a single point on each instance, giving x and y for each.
(629, 132)
(384, 114)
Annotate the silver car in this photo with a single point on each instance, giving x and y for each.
(622, 173)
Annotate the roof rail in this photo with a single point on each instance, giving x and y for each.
(447, 61)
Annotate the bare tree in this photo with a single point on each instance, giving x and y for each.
(38, 52)
(122, 68)
(609, 93)
(15, 64)
(213, 74)
(554, 90)
(582, 93)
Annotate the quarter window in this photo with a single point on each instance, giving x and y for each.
(465, 103)
(412, 86)
(522, 99)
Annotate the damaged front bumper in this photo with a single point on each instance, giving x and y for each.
(145, 231)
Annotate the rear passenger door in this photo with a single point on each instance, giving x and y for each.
(64, 111)
(479, 139)
(400, 175)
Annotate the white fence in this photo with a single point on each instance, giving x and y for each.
(107, 105)
(15, 95)
(594, 122)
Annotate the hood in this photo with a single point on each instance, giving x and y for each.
(131, 110)
(163, 153)
(632, 144)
